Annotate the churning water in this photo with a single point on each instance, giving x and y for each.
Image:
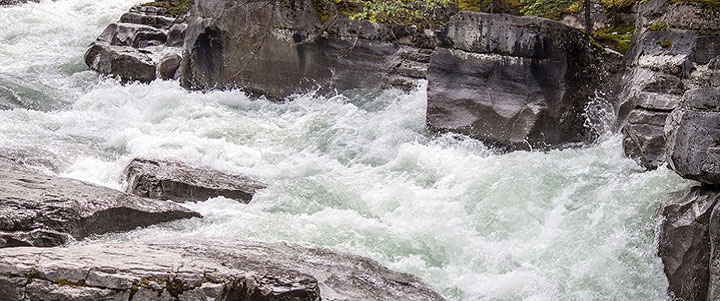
(356, 173)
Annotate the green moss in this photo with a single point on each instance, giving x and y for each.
(667, 44)
(66, 282)
(175, 8)
(659, 26)
(616, 37)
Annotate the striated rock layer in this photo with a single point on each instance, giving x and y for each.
(169, 180)
(228, 270)
(670, 54)
(41, 210)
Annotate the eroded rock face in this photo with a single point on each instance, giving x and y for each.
(167, 180)
(671, 53)
(40, 210)
(517, 82)
(280, 48)
(229, 270)
(692, 132)
(684, 242)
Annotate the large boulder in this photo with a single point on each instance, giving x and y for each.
(42, 210)
(128, 63)
(278, 48)
(692, 132)
(670, 54)
(684, 243)
(171, 180)
(228, 270)
(517, 82)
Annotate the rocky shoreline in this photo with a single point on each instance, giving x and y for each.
(516, 83)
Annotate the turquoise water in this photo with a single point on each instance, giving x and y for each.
(356, 173)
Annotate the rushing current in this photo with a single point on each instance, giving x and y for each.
(356, 173)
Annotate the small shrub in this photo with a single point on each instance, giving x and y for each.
(667, 44)
(659, 26)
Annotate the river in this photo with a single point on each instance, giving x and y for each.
(357, 173)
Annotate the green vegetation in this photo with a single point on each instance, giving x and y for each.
(667, 44)
(175, 8)
(616, 37)
(659, 26)
(66, 282)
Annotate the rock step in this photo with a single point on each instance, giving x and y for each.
(157, 21)
(176, 181)
(213, 270)
(42, 210)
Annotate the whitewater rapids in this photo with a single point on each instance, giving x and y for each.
(358, 173)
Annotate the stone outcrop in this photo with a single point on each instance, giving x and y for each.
(516, 82)
(278, 48)
(671, 51)
(692, 132)
(125, 62)
(228, 270)
(684, 242)
(125, 49)
(169, 180)
(42, 210)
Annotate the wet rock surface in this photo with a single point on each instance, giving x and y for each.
(228, 270)
(280, 48)
(517, 82)
(671, 53)
(127, 63)
(169, 65)
(692, 133)
(130, 49)
(42, 210)
(684, 242)
(169, 180)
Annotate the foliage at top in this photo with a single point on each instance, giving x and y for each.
(175, 8)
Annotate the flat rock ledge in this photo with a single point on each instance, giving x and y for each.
(234, 270)
(42, 211)
(176, 181)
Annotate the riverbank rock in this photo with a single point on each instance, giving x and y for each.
(41, 210)
(125, 62)
(228, 270)
(279, 48)
(692, 132)
(133, 48)
(169, 180)
(684, 242)
(516, 82)
(670, 54)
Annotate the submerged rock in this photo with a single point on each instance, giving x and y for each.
(228, 270)
(693, 136)
(168, 180)
(684, 243)
(41, 210)
(125, 62)
(517, 82)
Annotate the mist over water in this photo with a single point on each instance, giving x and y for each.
(358, 173)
